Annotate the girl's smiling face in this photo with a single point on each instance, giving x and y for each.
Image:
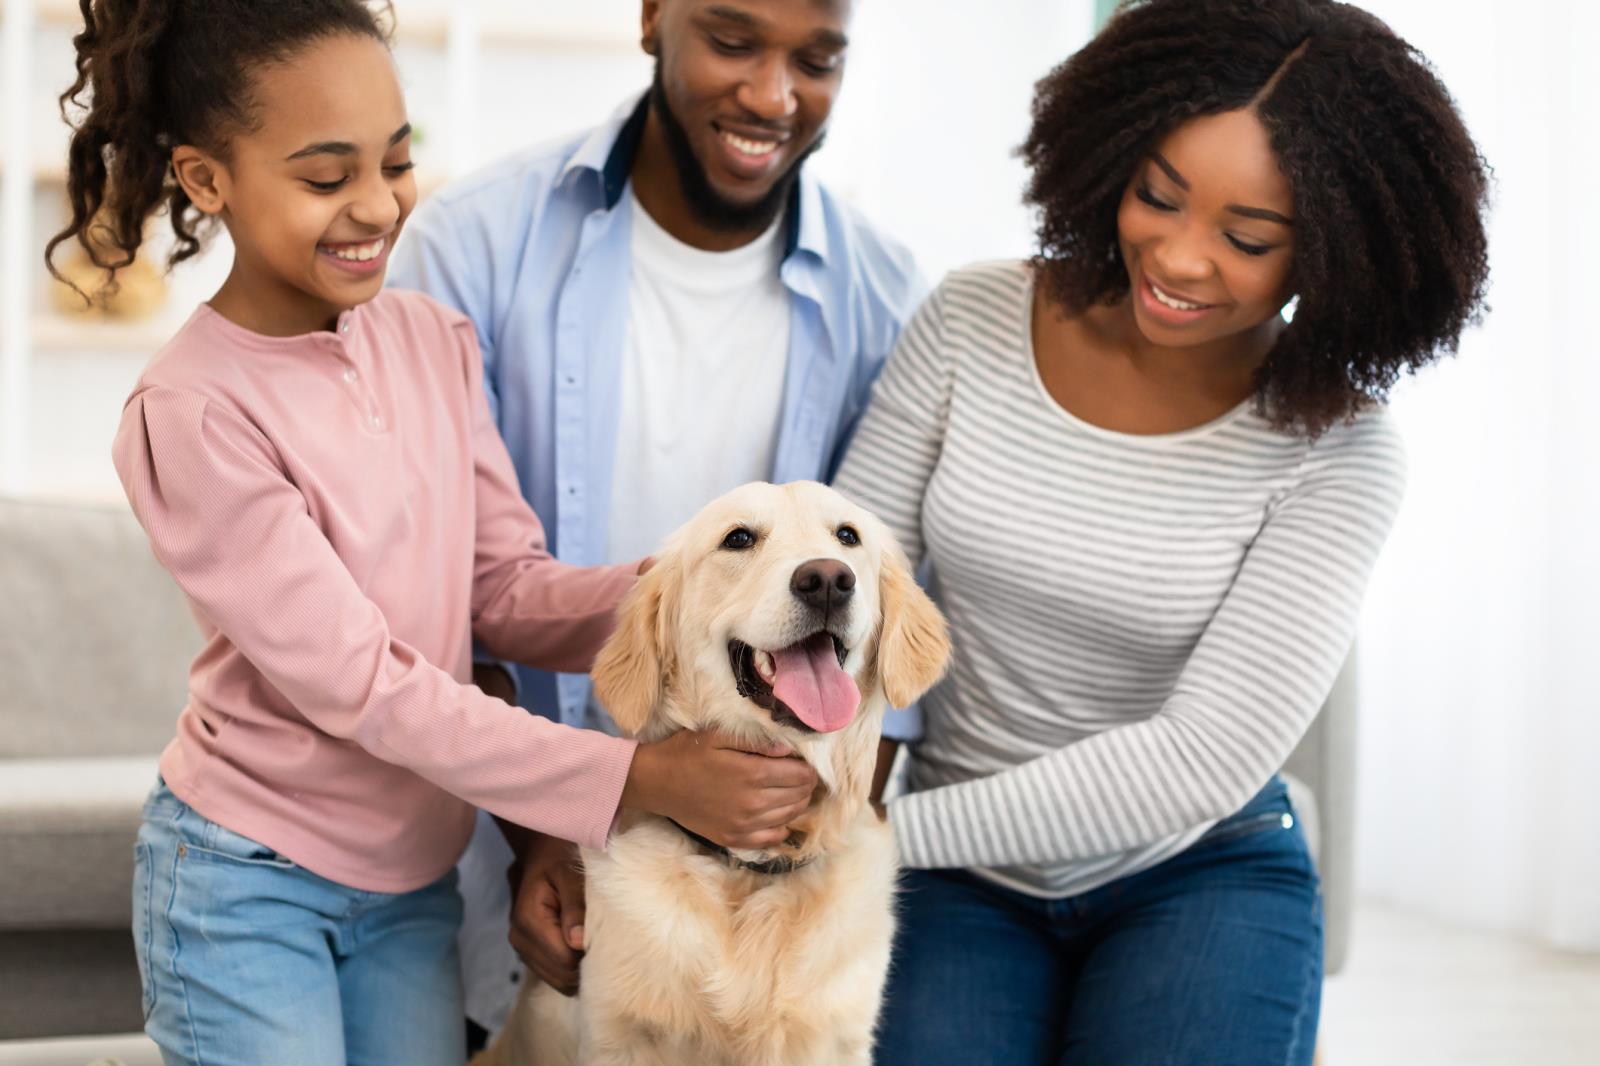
(1206, 232)
(315, 194)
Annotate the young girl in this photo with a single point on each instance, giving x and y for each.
(314, 461)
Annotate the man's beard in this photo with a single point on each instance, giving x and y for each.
(709, 207)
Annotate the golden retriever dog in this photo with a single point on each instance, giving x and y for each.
(779, 614)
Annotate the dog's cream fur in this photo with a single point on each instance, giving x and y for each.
(691, 960)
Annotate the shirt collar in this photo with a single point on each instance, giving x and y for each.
(609, 149)
(608, 153)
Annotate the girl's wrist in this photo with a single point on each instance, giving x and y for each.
(639, 788)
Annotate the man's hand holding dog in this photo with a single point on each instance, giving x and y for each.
(743, 799)
(547, 910)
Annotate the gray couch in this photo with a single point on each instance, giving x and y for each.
(95, 643)
(1321, 773)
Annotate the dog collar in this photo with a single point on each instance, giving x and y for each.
(771, 866)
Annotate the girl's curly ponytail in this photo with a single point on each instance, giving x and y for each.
(117, 159)
(162, 73)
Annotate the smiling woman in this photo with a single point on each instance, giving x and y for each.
(1367, 212)
(1150, 507)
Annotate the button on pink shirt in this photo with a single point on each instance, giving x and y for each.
(343, 517)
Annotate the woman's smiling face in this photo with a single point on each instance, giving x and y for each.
(1206, 231)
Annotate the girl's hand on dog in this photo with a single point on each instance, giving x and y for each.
(711, 784)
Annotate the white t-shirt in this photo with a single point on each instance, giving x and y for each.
(701, 379)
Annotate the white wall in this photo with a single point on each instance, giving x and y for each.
(1481, 724)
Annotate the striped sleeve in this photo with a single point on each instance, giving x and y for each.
(897, 444)
(1246, 694)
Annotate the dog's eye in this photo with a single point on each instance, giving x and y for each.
(848, 536)
(739, 539)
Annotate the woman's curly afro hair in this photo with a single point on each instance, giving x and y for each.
(1390, 257)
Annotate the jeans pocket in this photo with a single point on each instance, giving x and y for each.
(143, 923)
(219, 843)
(1244, 825)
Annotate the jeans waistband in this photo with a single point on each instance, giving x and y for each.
(1271, 802)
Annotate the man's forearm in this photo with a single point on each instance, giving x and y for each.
(880, 773)
(520, 838)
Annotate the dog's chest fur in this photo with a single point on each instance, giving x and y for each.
(692, 954)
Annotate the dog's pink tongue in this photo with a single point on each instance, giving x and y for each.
(809, 681)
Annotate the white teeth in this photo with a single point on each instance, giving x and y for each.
(1172, 301)
(766, 666)
(357, 253)
(747, 146)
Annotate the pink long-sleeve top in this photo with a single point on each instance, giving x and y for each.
(343, 517)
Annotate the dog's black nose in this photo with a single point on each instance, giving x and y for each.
(825, 584)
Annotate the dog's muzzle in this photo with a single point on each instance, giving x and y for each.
(803, 686)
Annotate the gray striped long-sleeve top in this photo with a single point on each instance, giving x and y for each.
(1144, 626)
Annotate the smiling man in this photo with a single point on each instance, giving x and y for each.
(669, 305)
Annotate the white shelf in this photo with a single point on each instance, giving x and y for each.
(77, 495)
(61, 333)
(43, 173)
(433, 27)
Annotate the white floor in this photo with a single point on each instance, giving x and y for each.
(1419, 993)
(1415, 992)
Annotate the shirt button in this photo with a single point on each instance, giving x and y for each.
(344, 327)
(377, 422)
(350, 375)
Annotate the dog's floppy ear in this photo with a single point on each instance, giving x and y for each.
(630, 670)
(914, 643)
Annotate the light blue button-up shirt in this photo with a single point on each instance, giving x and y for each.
(534, 251)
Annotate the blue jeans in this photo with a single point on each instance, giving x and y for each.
(249, 959)
(1214, 956)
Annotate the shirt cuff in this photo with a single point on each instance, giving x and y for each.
(611, 830)
(910, 842)
(614, 758)
(904, 723)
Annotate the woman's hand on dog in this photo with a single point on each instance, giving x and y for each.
(711, 783)
(547, 911)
